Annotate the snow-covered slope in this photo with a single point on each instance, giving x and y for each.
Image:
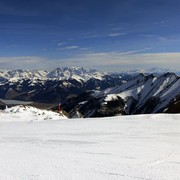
(143, 94)
(157, 92)
(145, 147)
(28, 113)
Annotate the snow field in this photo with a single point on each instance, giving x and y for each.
(144, 147)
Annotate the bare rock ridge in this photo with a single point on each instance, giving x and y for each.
(141, 95)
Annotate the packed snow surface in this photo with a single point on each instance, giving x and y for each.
(144, 147)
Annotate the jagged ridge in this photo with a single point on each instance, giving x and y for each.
(63, 73)
(143, 94)
(54, 86)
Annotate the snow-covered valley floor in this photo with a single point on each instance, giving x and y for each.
(145, 147)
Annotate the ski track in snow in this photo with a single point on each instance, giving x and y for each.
(159, 161)
(144, 147)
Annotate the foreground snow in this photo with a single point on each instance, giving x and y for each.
(145, 147)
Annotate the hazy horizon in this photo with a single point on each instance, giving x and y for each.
(141, 70)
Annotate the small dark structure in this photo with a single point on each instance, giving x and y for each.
(2, 105)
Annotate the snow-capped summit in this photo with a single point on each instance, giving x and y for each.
(16, 75)
(64, 73)
(54, 86)
(77, 73)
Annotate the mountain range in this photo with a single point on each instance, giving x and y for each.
(55, 86)
(64, 73)
(91, 93)
(142, 95)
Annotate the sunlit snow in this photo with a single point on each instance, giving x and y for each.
(144, 147)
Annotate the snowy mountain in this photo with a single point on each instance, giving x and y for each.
(143, 94)
(93, 93)
(64, 73)
(15, 75)
(75, 73)
(148, 94)
(54, 86)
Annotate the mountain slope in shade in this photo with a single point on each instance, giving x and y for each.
(51, 91)
(143, 94)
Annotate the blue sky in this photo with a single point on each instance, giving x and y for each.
(110, 35)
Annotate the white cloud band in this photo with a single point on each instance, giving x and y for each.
(108, 61)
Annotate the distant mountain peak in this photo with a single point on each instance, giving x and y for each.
(60, 73)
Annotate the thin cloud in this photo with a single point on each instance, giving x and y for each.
(107, 61)
(71, 47)
(160, 22)
(27, 62)
(134, 51)
(117, 34)
(161, 38)
(84, 49)
(117, 29)
(12, 46)
(91, 36)
(120, 61)
(149, 35)
(155, 36)
(68, 48)
(44, 49)
(61, 44)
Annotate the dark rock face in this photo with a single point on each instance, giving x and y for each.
(174, 106)
(85, 93)
(93, 107)
(141, 95)
(54, 91)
